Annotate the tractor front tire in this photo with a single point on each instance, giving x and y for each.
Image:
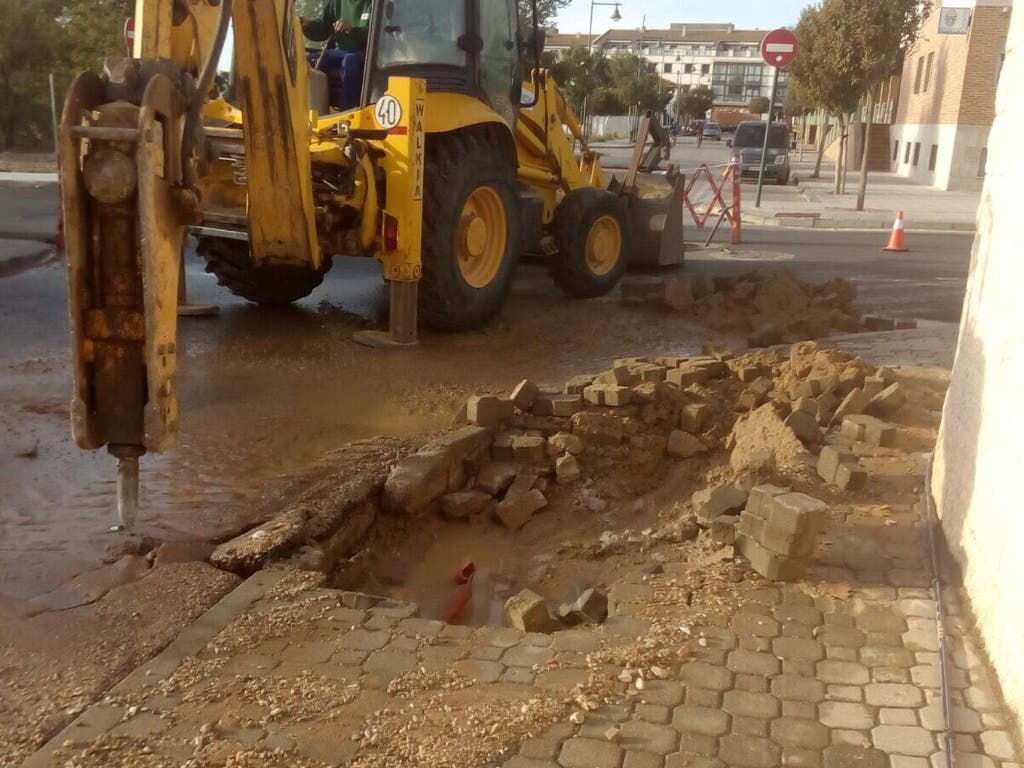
(471, 234)
(276, 285)
(589, 231)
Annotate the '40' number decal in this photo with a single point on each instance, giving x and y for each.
(388, 111)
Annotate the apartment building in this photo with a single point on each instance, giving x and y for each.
(726, 59)
(947, 94)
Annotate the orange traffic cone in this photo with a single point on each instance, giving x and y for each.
(896, 239)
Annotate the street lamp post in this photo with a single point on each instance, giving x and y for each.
(616, 16)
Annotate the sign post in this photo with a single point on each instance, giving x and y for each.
(778, 49)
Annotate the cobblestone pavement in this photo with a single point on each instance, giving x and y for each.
(837, 672)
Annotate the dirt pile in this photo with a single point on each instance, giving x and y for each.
(772, 307)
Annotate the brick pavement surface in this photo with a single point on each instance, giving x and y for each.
(844, 675)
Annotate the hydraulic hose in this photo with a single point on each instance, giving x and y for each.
(194, 110)
(939, 614)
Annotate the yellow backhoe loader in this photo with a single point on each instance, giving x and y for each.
(449, 168)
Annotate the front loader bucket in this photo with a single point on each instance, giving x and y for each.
(656, 228)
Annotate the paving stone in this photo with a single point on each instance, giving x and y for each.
(561, 678)
(903, 740)
(843, 672)
(746, 704)
(706, 676)
(487, 653)
(797, 732)
(527, 656)
(803, 631)
(841, 636)
(799, 668)
(997, 744)
(915, 606)
(589, 753)
(666, 693)
(748, 662)
(906, 761)
(363, 640)
(703, 697)
(855, 757)
(794, 757)
(480, 671)
(755, 644)
(964, 760)
(421, 627)
(752, 683)
(501, 637)
(844, 693)
(697, 744)
(756, 625)
(519, 675)
(799, 688)
(886, 656)
(799, 649)
(649, 737)
(843, 737)
(888, 716)
(636, 759)
(993, 720)
(653, 713)
(748, 751)
(803, 709)
(703, 720)
(718, 637)
(841, 654)
(881, 621)
(749, 726)
(964, 720)
(843, 714)
(893, 695)
(525, 762)
(930, 676)
(982, 698)
(389, 665)
(575, 640)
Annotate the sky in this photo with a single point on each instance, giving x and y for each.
(745, 14)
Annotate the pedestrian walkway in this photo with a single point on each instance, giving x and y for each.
(700, 663)
(812, 202)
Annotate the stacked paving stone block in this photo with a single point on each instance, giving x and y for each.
(778, 531)
(838, 466)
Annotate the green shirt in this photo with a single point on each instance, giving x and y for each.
(355, 12)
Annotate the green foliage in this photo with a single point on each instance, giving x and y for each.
(92, 30)
(696, 103)
(759, 105)
(611, 83)
(546, 10)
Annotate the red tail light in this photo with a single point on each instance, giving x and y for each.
(390, 233)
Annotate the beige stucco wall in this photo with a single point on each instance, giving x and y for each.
(979, 469)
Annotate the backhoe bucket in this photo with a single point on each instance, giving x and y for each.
(656, 227)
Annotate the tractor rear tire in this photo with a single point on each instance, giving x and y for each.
(471, 231)
(590, 233)
(277, 285)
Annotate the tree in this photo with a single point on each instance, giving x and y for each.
(29, 46)
(824, 72)
(91, 30)
(638, 85)
(881, 32)
(759, 105)
(580, 73)
(696, 103)
(546, 11)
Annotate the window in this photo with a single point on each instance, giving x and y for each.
(429, 33)
(933, 157)
(917, 153)
(668, 69)
(928, 72)
(687, 69)
(917, 74)
(906, 154)
(705, 68)
(497, 60)
(895, 150)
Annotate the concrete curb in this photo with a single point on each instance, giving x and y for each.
(99, 718)
(28, 178)
(831, 222)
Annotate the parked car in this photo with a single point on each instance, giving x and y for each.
(748, 143)
(712, 131)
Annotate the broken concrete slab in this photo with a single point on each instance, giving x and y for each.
(804, 425)
(683, 445)
(462, 505)
(709, 503)
(495, 477)
(523, 395)
(515, 511)
(247, 552)
(488, 411)
(567, 469)
(590, 607)
(888, 401)
(527, 611)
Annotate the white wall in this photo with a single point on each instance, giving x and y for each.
(959, 149)
(979, 462)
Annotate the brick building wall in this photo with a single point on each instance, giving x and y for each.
(947, 98)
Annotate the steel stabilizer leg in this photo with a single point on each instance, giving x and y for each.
(127, 484)
(402, 322)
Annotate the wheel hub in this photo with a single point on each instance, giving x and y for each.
(604, 245)
(481, 236)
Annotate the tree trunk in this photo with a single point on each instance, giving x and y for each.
(846, 153)
(841, 125)
(821, 148)
(863, 185)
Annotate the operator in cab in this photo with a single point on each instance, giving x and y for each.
(344, 25)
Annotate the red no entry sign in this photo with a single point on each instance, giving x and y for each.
(778, 48)
(129, 33)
